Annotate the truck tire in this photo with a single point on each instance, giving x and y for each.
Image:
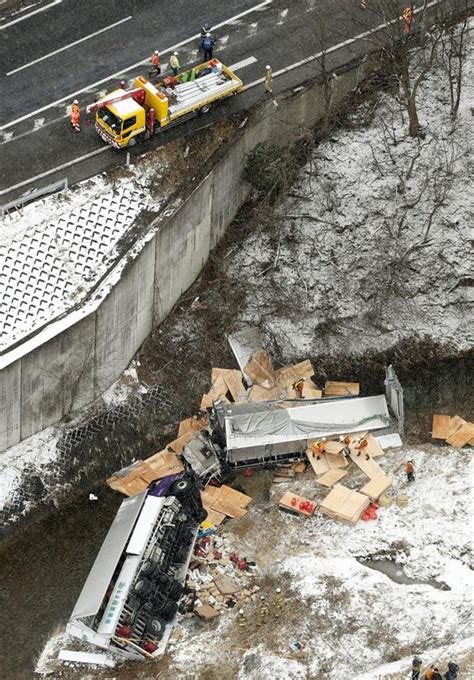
(180, 487)
(204, 109)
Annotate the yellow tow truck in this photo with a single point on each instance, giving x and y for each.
(124, 117)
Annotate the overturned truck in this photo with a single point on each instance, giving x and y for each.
(130, 598)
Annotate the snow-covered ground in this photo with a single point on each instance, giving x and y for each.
(349, 618)
(374, 237)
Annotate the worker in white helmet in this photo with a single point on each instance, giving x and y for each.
(75, 116)
(174, 63)
(156, 64)
(268, 80)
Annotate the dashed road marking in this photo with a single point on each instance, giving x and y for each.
(66, 47)
(242, 64)
(27, 16)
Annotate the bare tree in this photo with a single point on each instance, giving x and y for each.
(453, 55)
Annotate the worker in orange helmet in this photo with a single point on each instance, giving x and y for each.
(298, 386)
(75, 116)
(155, 61)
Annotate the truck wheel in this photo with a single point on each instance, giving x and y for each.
(132, 141)
(205, 109)
(182, 486)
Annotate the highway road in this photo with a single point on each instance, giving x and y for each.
(56, 50)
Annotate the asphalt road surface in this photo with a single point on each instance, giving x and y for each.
(56, 50)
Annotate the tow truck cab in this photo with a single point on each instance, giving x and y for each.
(119, 122)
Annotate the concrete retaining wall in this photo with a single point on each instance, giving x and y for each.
(76, 366)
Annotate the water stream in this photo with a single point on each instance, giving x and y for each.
(396, 574)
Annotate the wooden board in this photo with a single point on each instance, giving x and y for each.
(454, 424)
(331, 477)
(285, 377)
(440, 429)
(225, 500)
(333, 388)
(191, 425)
(333, 447)
(368, 467)
(259, 393)
(325, 462)
(177, 445)
(285, 503)
(233, 380)
(218, 391)
(164, 463)
(260, 369)
(320, 466)
(462, 436)
(311, 393)
(376, 487)
(344, 504)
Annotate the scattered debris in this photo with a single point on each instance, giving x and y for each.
(297, 504)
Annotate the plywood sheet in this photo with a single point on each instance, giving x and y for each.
(376, 487)
(440, 428)
(260, 369)
(368, 466)
(217, 391)
(164, 463)
(285, 503)
(331, 477)
(285, 377)
(191, 425)
(454, 424)
(333, 447)
(259, 393)
(332, 388)
(233, 380)
(319, 463)
(344, 504)
(177, 445)
(311, 392)
(225, 500)
(461, 436)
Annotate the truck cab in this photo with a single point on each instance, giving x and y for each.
(120, 122)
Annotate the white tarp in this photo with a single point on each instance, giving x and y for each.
(275, 426)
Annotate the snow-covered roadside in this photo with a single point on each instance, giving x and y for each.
(32, 472)
(372, 244)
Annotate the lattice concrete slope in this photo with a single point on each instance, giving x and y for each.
(52, 266)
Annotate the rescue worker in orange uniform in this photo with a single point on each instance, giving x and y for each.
(75, 116)
(298, 386)
(407, 16)
(410, 469)
(155, 61)
(346, 440)
(318, 448)
(361, 445)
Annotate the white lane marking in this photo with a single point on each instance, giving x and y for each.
(129, 68)
(242, 64)
(282, 17)
(66, 47)
(27, 16)
(57, 169)
(334, 48)
(39, 122)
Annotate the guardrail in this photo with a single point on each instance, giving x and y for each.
(61, 185)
